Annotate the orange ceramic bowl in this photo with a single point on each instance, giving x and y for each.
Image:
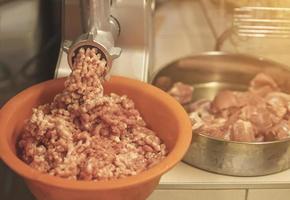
(161, 112)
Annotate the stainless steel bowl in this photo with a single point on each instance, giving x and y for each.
(214, 71)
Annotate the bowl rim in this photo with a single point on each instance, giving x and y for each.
(216, 53)
(238, 142)
(156, 171)
(227, 54)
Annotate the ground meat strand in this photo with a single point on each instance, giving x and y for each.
(86, 135)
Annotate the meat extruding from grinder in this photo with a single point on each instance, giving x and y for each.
(86, 135)
(262, 113)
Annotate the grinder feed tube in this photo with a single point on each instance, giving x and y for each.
(100, 32)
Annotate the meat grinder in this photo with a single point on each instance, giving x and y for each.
(119, 29)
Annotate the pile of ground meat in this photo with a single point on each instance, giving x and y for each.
(86, 135)
(262, 113)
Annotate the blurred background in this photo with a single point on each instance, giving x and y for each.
(29, 43)
(31, 38)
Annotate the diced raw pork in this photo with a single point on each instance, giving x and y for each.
(224, 100)
(202, 107)
(279, 131)
(263, 84)
(262, 113)
(196, 121)
(181, 92)
(243, 131)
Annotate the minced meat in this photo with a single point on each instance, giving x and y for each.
(86, 135)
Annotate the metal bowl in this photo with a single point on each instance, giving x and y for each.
(214, 71)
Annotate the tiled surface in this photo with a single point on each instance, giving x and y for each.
(270, 194)
(179, 29)
(198, 195)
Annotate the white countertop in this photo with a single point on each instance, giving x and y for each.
(184, 176)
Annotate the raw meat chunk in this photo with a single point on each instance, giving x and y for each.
(262, 113)
(181, 92)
